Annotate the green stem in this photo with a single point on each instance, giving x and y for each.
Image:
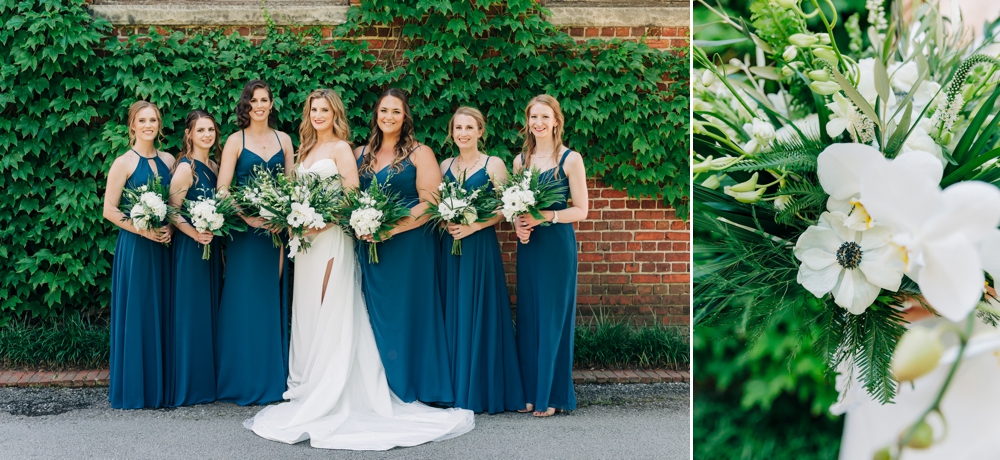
(829, 29)
(963, 338)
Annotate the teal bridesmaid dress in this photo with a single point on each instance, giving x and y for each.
(478, 324)
(197, 287)
(404, 302)
(546, 308)
(251, 330)
(140, 302)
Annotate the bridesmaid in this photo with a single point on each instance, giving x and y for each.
(251, 348)
(478, 325)
(140, 276)
(402, 292)
(546, 264)
(197, 283)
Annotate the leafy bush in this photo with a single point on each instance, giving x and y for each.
(66, 84)
(72, 343)
(612, 342)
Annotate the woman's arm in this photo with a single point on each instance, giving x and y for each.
(428, 180)
(227, 170)
(577, 175)
(497, 173)
(180, 183)
(117, 176)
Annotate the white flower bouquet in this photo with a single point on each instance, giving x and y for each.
(146, 205)
(524, 193)
(314, 201)
(266, 195)
(219, 215)
(372, 211)
(453, 204)
(858, 176)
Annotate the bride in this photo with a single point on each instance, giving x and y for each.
(338, 396)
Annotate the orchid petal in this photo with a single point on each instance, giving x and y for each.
(840, 166)
(951, 279)
(899, 195)
(971, 208)
(835, 127)
(925, 162)
(989, 253)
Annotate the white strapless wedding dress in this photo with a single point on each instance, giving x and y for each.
(338, 396)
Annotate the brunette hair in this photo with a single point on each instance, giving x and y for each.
(133, 112)
(406, 144)
(468, 111)
(187, 142)
(243, 106)
(307, 134)
(557, 131)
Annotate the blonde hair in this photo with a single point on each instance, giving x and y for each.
(557, 131)
(467, 111)
(307, 134)
(133, 112)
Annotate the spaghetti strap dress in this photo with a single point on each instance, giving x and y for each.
(251, 331)
(197, 288)
(404, 301)
(477, 319)
(140, 303)
(546, 308)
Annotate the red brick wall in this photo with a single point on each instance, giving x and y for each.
(634, 253)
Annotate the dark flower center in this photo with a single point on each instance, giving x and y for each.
(849, 255)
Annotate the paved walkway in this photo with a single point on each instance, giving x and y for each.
(99, 377)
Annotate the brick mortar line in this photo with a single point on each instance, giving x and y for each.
(99, 377)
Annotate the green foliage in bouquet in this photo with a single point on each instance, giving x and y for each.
(525, 193)
(218, 214)
(373, 211)
(453, 204)
(147, 205)
(66, 83)
(267, 195)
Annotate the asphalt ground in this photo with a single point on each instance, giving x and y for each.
(620, 421)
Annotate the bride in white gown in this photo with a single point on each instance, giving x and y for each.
(338, 396)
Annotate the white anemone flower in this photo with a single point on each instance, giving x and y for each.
(851, 265)
(941, 233)
(840, 166)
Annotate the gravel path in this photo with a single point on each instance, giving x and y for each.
(632, 421)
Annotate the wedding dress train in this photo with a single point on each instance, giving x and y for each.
(338, 396)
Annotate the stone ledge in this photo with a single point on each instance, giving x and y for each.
(194, 15)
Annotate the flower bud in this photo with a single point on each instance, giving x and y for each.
(790, 53)
(825, 88)
(923, 436)
(787, 71)
(708, 78)
(781, 201)
(722, 163)
(882, 454)
(917, 353)
(787, 3)
(824, 38)
(744, 197)
(803, 40)
(703, 166)
(819, 75)
(825, 53)
(747, 186)
(713, 182)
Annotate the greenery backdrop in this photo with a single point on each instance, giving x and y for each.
(66, 84)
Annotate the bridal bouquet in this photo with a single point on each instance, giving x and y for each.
(453, 204)
(372, 211)
(146, 205)
(267, 196)
(314, 202)
(219, 215)
(860, 174)
(523, 193)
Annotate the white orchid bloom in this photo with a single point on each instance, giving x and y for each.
(851, 265)
(989, 251)
(840, 167)
(841, 116)
(939, 232)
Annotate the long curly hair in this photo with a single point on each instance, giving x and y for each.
(404, 146)
(133, 112)
(243, 106)
(528, 148)
(187, 143)
(307, 134)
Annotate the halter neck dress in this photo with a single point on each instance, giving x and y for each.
(140, 303)
(197, 288)
(251, 349)
(477, 319)
(546, 307)
(404, 301)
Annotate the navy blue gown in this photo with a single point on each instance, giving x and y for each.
(140, 301)
(251, 330)
(197, 287)
(546, 308)
(478, 324)
(404, 302)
